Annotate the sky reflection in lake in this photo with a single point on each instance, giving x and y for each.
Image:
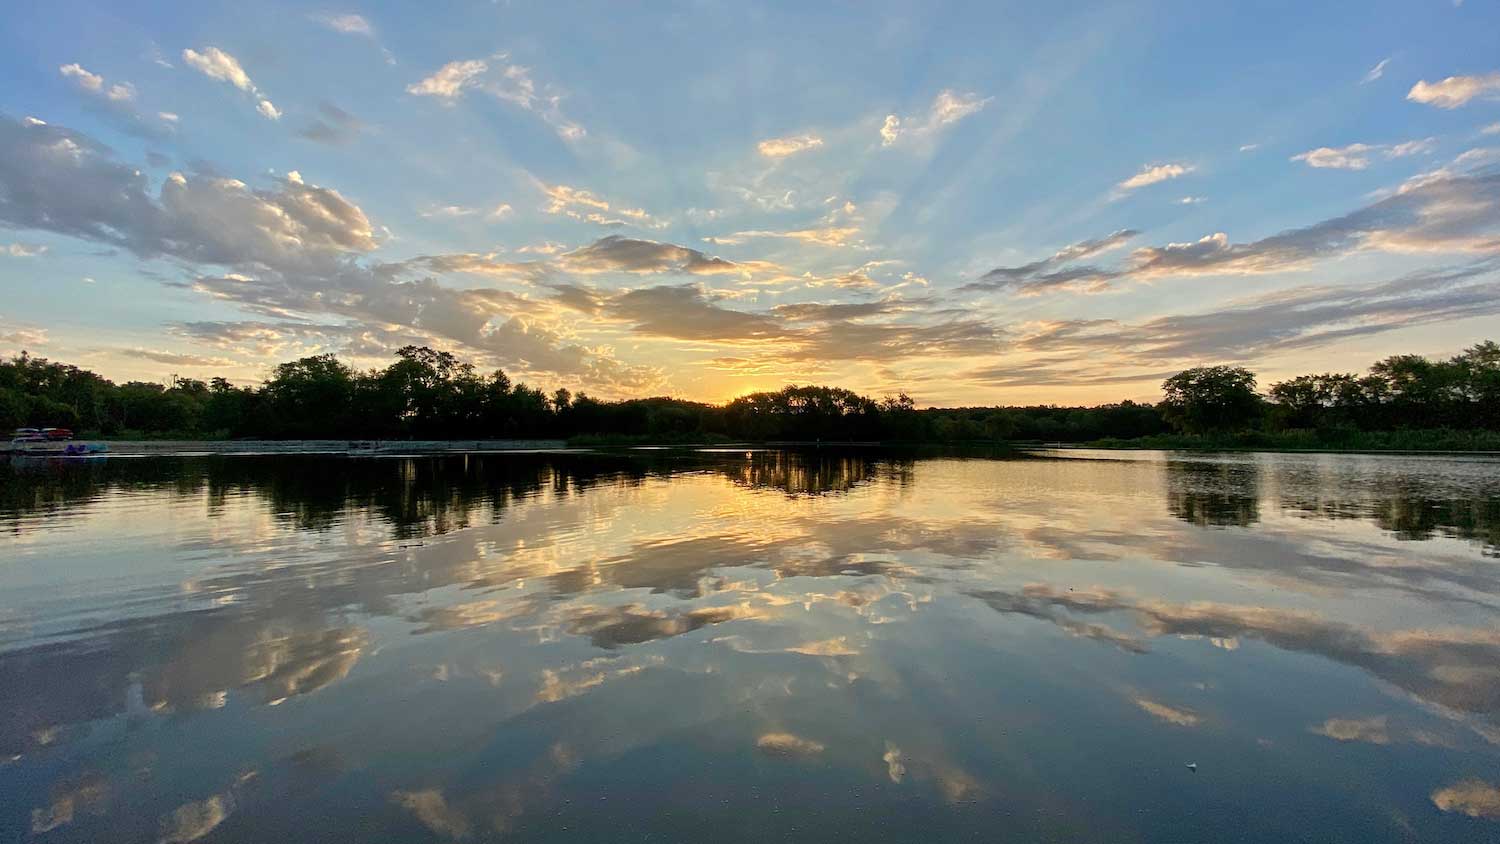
(751, 645)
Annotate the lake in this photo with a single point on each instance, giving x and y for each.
(732, 645)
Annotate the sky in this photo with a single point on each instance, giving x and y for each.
(971, 203)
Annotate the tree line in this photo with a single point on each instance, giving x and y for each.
(429, 394)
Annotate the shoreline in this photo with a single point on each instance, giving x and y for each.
(195, 448)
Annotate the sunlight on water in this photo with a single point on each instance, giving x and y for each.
(746, 645)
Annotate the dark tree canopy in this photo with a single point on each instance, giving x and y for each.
(430, 394)
(1210, 398)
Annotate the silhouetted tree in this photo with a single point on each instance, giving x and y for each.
(1211, 398)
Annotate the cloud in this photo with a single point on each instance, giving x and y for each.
(118, 101)
(840, 226)
(790, 145)
(349, 24)
(1192, 200)
(58, 180)
(629, 255)
(432, 809)
(176, 358)
(192, 821)
(290, 250)
(1456, 91)
(1475, 798)
(829, 312)
(685, 312)
(1169, 714)
(1050, 273)
(584, 205)
(1357, 156)
(22, 250)
(1450, 667)
(1444, 211)
(450, 80)
(1352, 157)
(890, 130)
(333, 126)
(614, 627)
(787, 744)
(217, 64)
(895, 769)
(1299, 318)
(1369, 730)
(1152, 174)
(1375, 72)
(948, 108)
(1249, 147)
(22, 336)
(87, 81)
(509, 83)
(821, 236)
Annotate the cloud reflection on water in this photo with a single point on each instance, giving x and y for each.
(594, 582)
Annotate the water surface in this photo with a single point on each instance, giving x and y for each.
(751, 646)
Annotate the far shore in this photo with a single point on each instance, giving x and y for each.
(190, 447)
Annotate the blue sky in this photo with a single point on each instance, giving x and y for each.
(972, 203)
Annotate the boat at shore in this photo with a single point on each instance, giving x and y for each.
(53, 442)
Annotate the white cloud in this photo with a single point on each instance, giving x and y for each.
(122, 92)
(506, 82)
(584, 205)
(349, 24)
(117, 99)
(1358, 156)
(1375, 72)
(947, 108)
(1191, 200)
(86, 80)
(450, 80)
(1351, 157)
(1492, 129)
(1249, 147)
(1412, 148)
(1456, 91)
(790, 145)
(1152, 174)
(22, 250)
(217, 64)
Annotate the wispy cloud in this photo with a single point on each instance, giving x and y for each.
(511, 83)
(119, 100)
(217, 64)
(790, 145)
(948, 108)
(1357, 156)
(1375, 72)
(585, 205)
(1152, 174)
(1051, 273)
(349, 23)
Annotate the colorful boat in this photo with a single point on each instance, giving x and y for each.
(52, 441)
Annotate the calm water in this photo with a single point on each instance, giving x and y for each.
(681, 646)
